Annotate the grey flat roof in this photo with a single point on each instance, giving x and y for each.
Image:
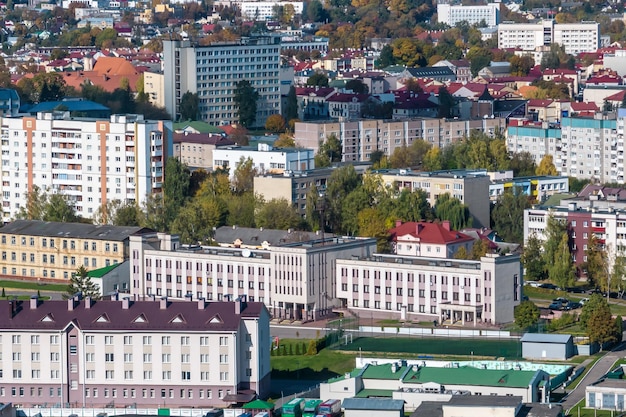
(546, 338)
(372, 404)
(484, 400)
(429, 409)
(70, 230)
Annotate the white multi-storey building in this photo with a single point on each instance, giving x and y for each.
(582, 147)
(453, 14)
(212, 71)
(417, 288)
(294, 280)
(133, 353)
(266, 10)
(266, 160)
(574, 37)
(92, 161)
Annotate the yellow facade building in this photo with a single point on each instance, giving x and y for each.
(36, 249)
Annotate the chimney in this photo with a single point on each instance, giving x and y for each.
(163, 304)
(88, 302)
(398, 223)
(238, 306)
(419, 227)
(34, 302)
(188, 297)
(201, 304)
(125, 303)
(152, 297)
(446, 225)
(11, 310)
(70, 304)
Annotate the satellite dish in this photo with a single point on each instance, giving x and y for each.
(246, 253)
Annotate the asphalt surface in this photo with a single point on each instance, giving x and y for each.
(597, 371)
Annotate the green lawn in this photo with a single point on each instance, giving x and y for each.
(25, 285)
(23, 297)
(325, 365)
(590, 412)
(438, 346)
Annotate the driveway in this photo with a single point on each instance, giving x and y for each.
(597, 371)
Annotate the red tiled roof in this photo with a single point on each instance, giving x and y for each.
(348, 98)
(202, 138)
(619, 96)
(582, 106)
(436, 233)
(539, 103)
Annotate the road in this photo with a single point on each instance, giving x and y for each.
(597, 371)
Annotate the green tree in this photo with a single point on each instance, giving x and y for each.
(413, 206)
(196, 220)
(601, 327)
(241, 208)
(479, 249)
(596, 264)
(127, 214)
(341, 182)
(532, 260)
(246, 100)
(243, 177)
(285, 140)
(189, 106)
(372, 223)
(175, 187)
(153, 215)
(36, 201)
(523, 164)
(526, 314)
(619, 329)
(451, 208)
(446, 103)
(555, 230)
(507, 215)
(59, 209)
(432, 160)
(318, 79)
(562, 270)
(329, 151)
(81, 282)
(596, 301)
(291, 108)
(356, 86)
(386, 57)
(546, 166)
(278, 214)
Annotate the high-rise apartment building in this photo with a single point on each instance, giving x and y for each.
(91, 161)
(212, 71)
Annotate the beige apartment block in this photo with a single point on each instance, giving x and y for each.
(35, 249)
(362, 137)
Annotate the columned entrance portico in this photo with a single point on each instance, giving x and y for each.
(463, 313)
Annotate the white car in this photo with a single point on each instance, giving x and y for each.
(583, 301)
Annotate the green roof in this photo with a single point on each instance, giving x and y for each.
(468, 375)
(366, 393)
(353, 373)
(555, 199)
(200, 126)
(99, 273)
(258, 405)
(383, 372)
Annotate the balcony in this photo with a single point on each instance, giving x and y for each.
(598, 229)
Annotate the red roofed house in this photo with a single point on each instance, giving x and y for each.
(563, 75)
(346, 105)
(616, 99)
(108, 73)
(434, 240)
(313, 102)
(547, 110)
(583, 109)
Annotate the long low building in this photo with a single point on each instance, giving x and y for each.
(133, 353)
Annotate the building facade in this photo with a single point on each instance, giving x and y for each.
(295, 280)
(431, 289)
(608, 225)
(264, 158)
(574, 37)
(452, 14)
(434, 240)
(471, 187)
(132, 353)
(91, 161)
(212, 72)
(266, 10)
(537, 187)
(582, 147)
(360, 138)
(36, 249)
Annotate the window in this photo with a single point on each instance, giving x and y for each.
(223, 377)
(147, 340)
(128, 374)
(204, 341)
(165, 340)
(186, 375)
(128, 357)
(167, 375)
(223, 358)
(109, 374)
(184, 358)
(108, 357)
(108, 340)
(184, 340)
(166, 358)
(89, 340)
(223, 341)
(34, 339)
(128, 340)
(17, 339)
(204, 358)
(147, 375)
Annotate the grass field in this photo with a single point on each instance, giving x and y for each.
(325, 365)
(510, 349)
(34, 286)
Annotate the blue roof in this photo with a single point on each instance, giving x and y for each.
(372, 404)
(70, 105)
(546, 338)
(8, 94)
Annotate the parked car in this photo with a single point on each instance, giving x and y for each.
(534, 284)
(576, 290)
(557, 305)
(549, 286)
(572, 305)
(583, 301)
(561, 300)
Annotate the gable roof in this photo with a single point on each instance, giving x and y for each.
(426, 232)
(70, 230)
(111, 316)
(471, 376)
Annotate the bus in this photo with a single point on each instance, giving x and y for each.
(310, 408)
(294, 408)
(329, 408)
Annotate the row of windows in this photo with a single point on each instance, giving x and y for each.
(209, 281)
(16, 339)
(65, 243)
